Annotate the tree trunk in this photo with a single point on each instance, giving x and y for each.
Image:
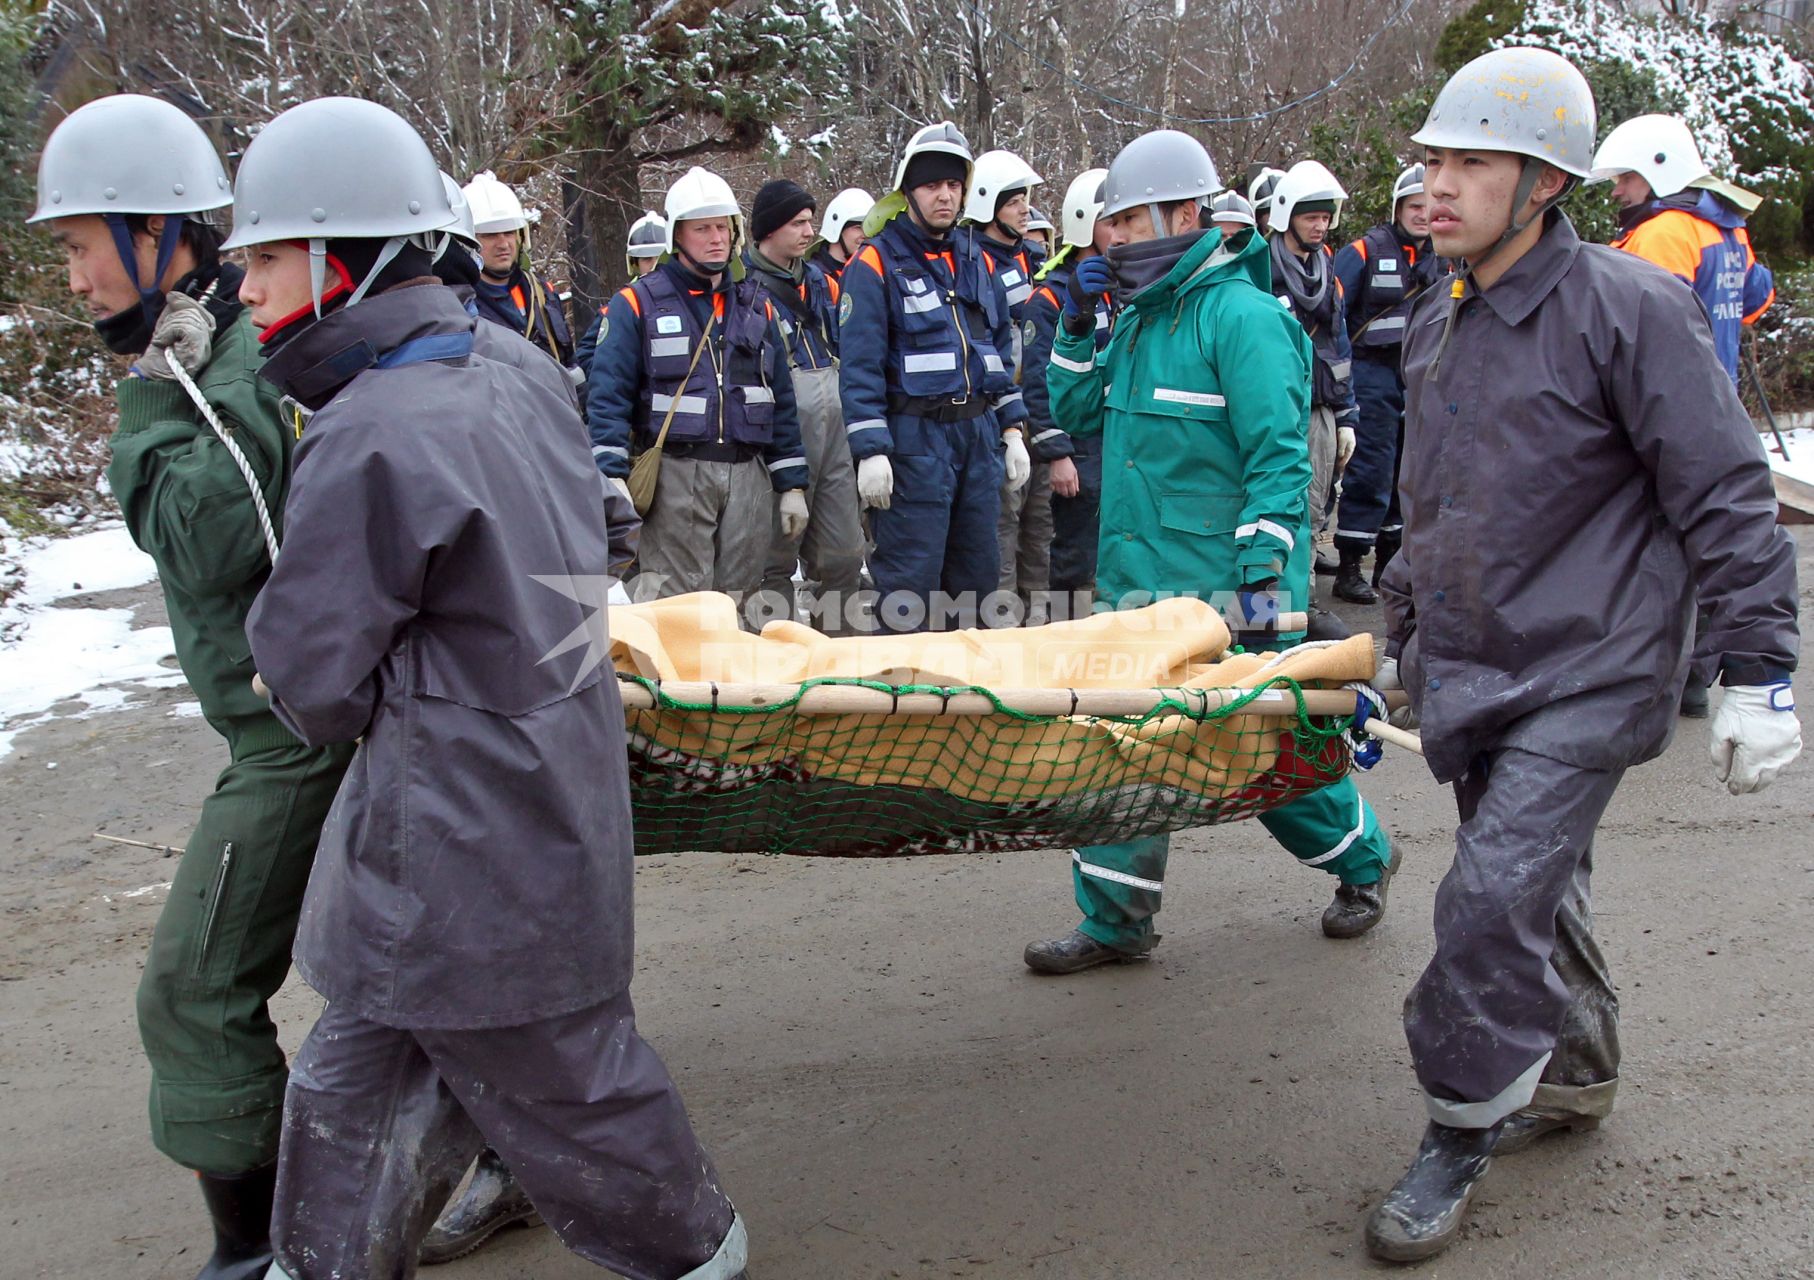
(606, 184)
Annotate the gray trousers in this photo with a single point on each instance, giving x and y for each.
(1024, 536)
(1517, 1008)
(707, 530)
(832, 546)
(380, 1124)
(1322, 464)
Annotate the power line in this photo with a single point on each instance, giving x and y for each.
(1256, 117)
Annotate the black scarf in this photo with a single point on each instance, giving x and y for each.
(215, 286)
(1138, 267)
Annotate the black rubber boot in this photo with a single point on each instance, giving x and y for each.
(1350, 584)
(1358, 907)
(1522, 1128)
(1695, 705)
(1075, 952)
(1384, 548)
(1420, 1217)
(240, 1208)
(493, 1200)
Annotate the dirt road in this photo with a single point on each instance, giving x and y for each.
(889, 1093)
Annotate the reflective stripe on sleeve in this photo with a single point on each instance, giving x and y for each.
(1278, 531)
(866, 424)
(1075, 366)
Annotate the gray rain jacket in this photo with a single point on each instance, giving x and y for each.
(476, 868)
(1579, 464)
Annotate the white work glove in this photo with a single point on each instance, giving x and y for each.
(622, 486)
(1385, 680)
(793, 514)
(1344, 446)
(1755, 735)
(1020, 463)
(184, 334)
(875, 481)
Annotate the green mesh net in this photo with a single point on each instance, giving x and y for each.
(777, 779)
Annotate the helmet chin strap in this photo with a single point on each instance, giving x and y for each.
(919, 216)
(1527, 184)
(318, 269)
(150, 295)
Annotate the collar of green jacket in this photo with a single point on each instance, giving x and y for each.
(1211, 261)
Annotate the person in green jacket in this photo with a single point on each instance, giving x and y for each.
(1202, 399)
(124, 185)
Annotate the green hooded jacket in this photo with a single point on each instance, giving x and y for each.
(1202, 399)
(188, 508)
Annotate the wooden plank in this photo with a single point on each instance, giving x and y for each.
(1794, 499)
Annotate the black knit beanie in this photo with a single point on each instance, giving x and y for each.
(777, 204)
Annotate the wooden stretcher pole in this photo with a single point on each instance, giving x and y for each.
(1394, 735)
(841, 699)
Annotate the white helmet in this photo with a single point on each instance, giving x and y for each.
(700, 193)
(1659, 149)
(462, 228)
(648, 236)
(1259, 191)
(1305, 181)
(1408, 183)
(1082, 206)
(943, 138)
(494, 206)
(850, 205)
(994, 175)
(1232, 206)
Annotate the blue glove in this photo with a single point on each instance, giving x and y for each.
(1088, 283)
(1258, 606)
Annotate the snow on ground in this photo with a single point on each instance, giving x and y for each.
(1800, 462)
(52, 654)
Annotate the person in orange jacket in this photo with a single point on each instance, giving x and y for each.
(1675, 213)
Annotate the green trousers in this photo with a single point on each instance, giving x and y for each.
(1118, 885)
(222, 948)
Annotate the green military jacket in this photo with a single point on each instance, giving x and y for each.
(188, 508)
(1202, 398)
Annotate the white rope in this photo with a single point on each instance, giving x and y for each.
(187, 383)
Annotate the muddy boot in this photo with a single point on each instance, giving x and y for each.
(240, 1208)
(493, 1200)
(1420, 1216)
(1075, 952)
(1694, 700)
(1384, 548)
(1350, 585)
(1522, 1128)
(1356, 908)
(1325, 626)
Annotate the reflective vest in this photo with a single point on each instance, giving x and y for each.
(1393, 275)
(727, 398)
(809, 324)
(943, 313)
